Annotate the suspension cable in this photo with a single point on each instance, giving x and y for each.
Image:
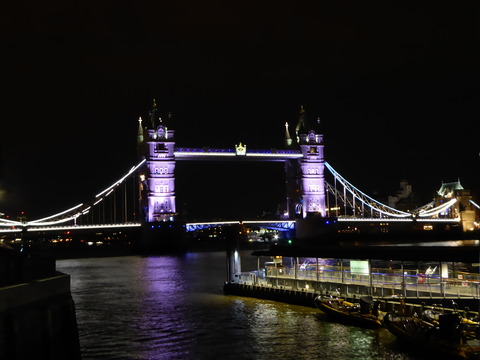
(82, 209)
(364, 198)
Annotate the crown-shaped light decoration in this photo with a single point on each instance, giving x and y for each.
(241, 149)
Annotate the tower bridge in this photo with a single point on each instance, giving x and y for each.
(304, 167)
(146, 195)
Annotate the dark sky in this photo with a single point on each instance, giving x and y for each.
(395, 84)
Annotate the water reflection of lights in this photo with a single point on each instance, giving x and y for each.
(448, 243)
(172, 308)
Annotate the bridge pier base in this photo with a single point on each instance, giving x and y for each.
(234, 267)
(163, 237)
(315, 230)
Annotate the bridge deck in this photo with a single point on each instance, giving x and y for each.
(232, 155)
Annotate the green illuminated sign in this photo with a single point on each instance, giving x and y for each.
(359, 267)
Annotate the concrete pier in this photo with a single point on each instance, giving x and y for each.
(163, 237)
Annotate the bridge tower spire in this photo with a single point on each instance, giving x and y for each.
(312, 166)
(153, 115)
(140, 139)
(288, 138)
(301, 124)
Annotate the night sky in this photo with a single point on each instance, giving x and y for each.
(395, 84)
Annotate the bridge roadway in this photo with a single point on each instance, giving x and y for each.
(281, 225)
(31, 228)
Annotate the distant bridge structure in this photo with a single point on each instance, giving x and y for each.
(279, 225)
(145, 195)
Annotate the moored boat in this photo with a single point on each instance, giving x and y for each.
(453, 335)
(364, 313)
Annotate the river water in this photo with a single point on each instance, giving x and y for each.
(173, 307)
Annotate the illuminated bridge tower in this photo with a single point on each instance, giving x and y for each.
(160, 172)
(312, 166)
(158, 182)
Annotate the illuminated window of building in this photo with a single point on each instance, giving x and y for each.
(313, 188)
(161, 131)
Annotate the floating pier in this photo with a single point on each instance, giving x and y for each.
(306, 298)
(426, 274)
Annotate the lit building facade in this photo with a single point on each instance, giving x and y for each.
(463, 208)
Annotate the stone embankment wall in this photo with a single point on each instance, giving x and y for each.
(37, 313)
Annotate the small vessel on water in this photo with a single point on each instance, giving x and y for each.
(445, 333)
(364, 313)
